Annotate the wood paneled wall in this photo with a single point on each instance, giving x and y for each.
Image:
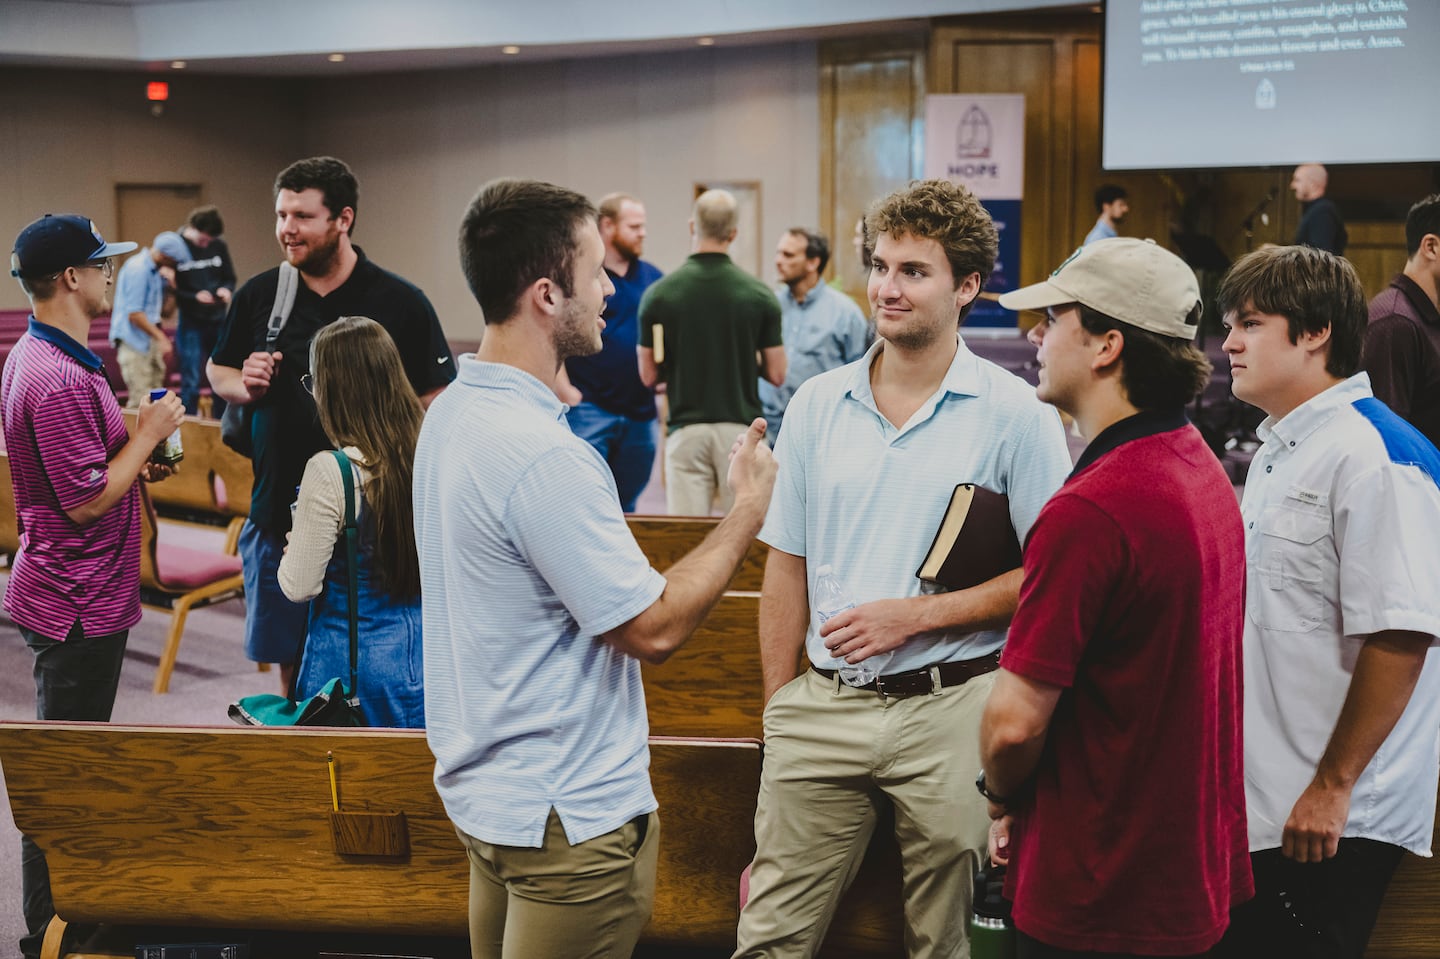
(1054, 60)
(872, 114)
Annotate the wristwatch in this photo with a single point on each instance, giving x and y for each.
(984, 790)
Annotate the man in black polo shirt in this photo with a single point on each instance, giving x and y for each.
(315, 204)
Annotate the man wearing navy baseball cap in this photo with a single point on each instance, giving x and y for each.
(74, 586)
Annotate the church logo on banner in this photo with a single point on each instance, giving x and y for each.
(979, 141)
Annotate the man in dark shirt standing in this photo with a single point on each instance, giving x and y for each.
(1402, 342)
(1320, 223)
(609, 407)
(315, 204)
(717, 323)
(203, 288)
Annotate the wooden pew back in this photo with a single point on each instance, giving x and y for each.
(193, 486)
(231, 827)
(712, 685)
(665, 539)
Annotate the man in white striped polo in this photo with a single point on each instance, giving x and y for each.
(538, 603)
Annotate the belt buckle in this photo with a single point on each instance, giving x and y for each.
(885, 695)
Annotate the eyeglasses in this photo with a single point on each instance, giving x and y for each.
(308, 381)
(105, 266)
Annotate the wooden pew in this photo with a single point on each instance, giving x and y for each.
(712, 685)
(213, 479)
(231, 827)
(665, 539)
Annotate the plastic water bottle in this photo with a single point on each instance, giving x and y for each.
(168, 451)
(830, 599)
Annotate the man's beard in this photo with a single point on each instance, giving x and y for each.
(575, 334)
(630, 252)
(915, 338)
(320, 258)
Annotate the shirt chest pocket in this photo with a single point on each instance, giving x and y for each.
(1293, 566)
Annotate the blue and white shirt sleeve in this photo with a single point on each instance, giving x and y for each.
(1385, 532)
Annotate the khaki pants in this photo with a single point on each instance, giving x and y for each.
(832, 755)
(560, 901)
(697, 460)
(142, 372)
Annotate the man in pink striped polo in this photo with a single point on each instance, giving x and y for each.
(75, 584)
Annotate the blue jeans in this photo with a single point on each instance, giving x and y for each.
(627, 445)
(194, 342)
(274, 626)
(76, 681)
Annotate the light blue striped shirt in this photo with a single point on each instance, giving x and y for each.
(525, 558)
(865, 497)
(826, 331)
(139, 288)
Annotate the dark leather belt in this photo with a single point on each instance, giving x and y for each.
(927, 679)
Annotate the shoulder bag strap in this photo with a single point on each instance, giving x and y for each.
(351, 534)
(285, 290)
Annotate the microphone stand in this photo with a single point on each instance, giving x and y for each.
(1249, 222)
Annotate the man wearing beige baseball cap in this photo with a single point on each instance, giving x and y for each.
(1111, 744)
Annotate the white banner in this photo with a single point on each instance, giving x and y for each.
(977, 140)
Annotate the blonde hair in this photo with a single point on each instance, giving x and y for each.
(716, 214)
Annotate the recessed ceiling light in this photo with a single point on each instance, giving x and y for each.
(336, 58)
(510, 50)
(178, 64)
(706, 41)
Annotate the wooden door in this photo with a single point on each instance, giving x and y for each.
(146, 209)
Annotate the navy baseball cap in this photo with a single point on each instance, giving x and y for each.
(52, 243)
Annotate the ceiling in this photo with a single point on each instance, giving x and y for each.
(299, 37)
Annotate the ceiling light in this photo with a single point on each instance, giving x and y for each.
(706, 41)
(510, 50)
(178, 64)
(336, 58)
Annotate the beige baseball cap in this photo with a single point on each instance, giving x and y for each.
(1134, 281)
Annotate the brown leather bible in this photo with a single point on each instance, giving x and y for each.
(975, 542)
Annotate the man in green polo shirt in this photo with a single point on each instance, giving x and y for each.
(704, 331)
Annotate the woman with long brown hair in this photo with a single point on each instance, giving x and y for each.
(370, 412)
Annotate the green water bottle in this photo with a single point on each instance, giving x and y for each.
(991, 934)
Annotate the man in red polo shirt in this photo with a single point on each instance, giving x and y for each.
(75, 584)
(1111, 743)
